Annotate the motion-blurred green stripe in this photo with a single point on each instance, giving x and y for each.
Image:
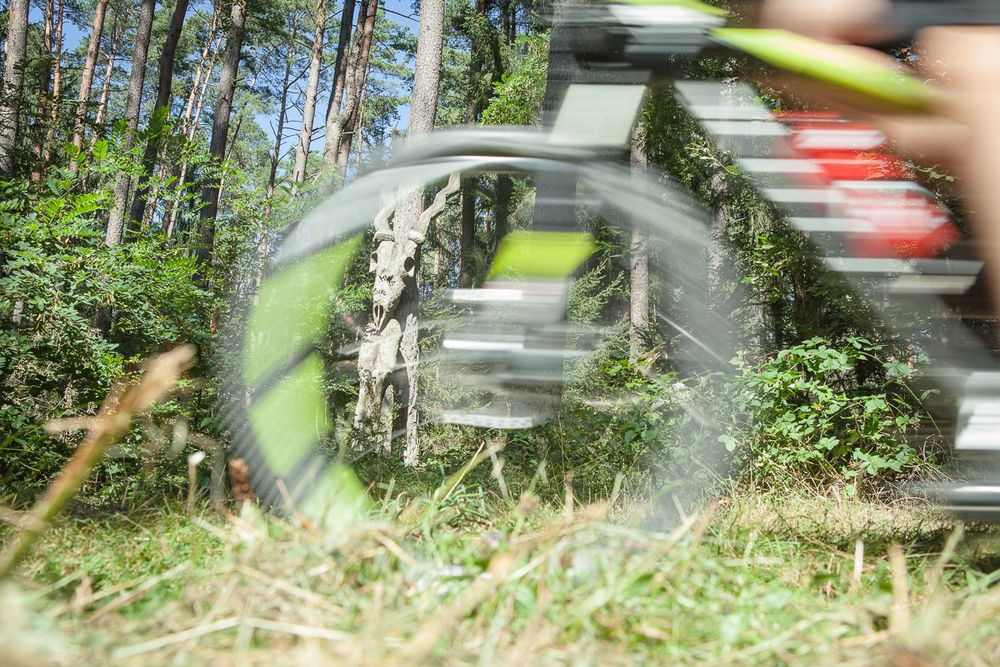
(292, 310)
(291, 417)
(830, 63)
(693, 5)
(546, 255)
(336, 500)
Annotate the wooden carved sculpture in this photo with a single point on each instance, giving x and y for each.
(389, 344)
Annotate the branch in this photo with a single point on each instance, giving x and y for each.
(383, 232)
(436, 208)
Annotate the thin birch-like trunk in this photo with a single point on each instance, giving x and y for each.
(87, 75)
(220, 133)
(133, 104)
(285, 85)
(206, 49)
(170, 218)
(102, 106)
(312, 88)
(50, 135)
(340, 66)
(160, 115)
(42, 113)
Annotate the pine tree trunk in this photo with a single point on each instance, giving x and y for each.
(396, 262)
(717, 237)
(87, 74)
(467, 238)
(220, 132)
(133, 104)
(160, 116)
(13, 79)
(41, 114)
(340, 67)
(639, 262)
(354, 120)
(50, 134)
(344, 122)
(312, 89)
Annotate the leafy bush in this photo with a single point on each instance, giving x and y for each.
(75, 315)
(805, 414)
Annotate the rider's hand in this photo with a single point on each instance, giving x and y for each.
(961, 131)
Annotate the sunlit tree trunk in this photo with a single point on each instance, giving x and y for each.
(15, 46)
(45, 80)
(87, 75)
(340, 67)
(344, 122)
(161, 110)
(355, 119)
(312, 89)
(206, 49)
(133, 103)
(50, 134)
(392, 334)
(220, 131)
(639, 261)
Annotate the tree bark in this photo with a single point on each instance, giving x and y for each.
(41, 115)
(717, 237)
(344, 121)
(312, 89)
(467, 237)
(87, 75)
(353, 122)
(220, 132)
(161, 111)
(133, 104)
(50, 134)
(339, 74)
(13, 80)
(392, 334)
(639, 261)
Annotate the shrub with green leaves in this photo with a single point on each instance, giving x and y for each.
(808, 414)
(75, 314)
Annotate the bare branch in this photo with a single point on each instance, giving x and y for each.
(419, 230)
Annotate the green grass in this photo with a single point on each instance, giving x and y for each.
(472, 580)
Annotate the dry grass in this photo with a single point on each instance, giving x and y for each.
(759, 581)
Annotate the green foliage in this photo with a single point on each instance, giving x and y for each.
(805, 415)
(76, 314)
(518, 96)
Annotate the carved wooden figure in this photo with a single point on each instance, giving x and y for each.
(388, 344)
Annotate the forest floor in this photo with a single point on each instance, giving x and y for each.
(473, 580)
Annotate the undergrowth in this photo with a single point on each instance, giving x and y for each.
(469, 578)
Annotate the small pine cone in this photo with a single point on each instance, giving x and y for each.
(239, 475)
